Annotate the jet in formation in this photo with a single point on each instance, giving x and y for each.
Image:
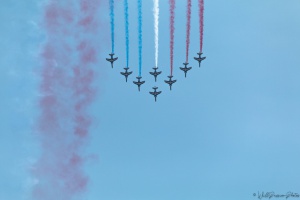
(155, 73)
(126, 73)
(170, 81)
(155, 93)
(112, 59)
(139, 82)
(185, 68)
(199, 59)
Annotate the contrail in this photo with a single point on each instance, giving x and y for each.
(112, 24)
(156, 21)
(66, 73)
(188, 28)
(172, 29)
(126, 31)
(201, 14)
(140, 35)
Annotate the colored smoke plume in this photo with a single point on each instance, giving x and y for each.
(126, 31)
(156, 22)
(172, 29)
(188, 28)
(140, 35)
(201, 15)
(112, 24)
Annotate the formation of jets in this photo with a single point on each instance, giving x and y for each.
(185, 69)
(112, 59)
(155, 73)
(126, 73)
(155, 93)
(170, 81)
(139, 82)
(199, 59)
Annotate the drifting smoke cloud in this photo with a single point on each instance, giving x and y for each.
(66, 78)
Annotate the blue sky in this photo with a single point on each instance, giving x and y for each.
(231, 128)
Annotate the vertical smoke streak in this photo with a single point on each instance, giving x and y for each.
(126, 31)
(66, 77)
(140, 35)
(156, 21)
(201, 14)
(188, 28)
(172, 18)
(112, 24)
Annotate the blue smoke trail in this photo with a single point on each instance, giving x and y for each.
(126, 31)
(140, 35)
(112, 24)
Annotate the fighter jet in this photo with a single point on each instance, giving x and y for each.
(112, 59)
(200, 58)
(139, 83)
(155, 73)
(126, 73)
(170, 81)
(185, 68)
(155, 93)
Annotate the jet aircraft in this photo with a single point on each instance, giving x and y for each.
(185, 68)
(155, 93)
(126, 73)
(112, 59)
(170, 81)
(139, 82)
(199, 59)
(155, 73)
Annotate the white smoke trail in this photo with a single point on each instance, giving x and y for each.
(156, 20)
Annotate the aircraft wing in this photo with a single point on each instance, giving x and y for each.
(151, 93)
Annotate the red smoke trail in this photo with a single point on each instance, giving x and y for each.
(201, 12)
(172, 18)
(188, 29)
(66, 78)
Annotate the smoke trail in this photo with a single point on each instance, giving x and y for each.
(172, 18)
(126, 31)
(66, 77)
(201, 14)
(188, 28)
(156, 21)
(112, 24)
(140, 35)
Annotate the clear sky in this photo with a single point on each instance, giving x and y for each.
(231, 128)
